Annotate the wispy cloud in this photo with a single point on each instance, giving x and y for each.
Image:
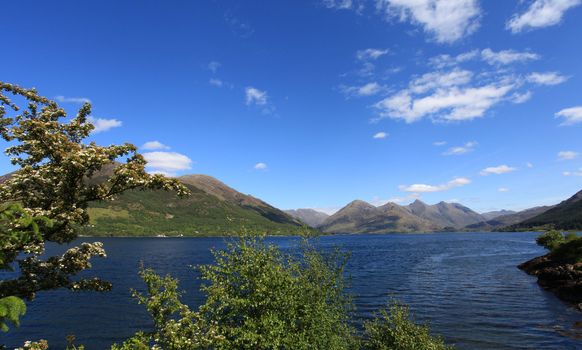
(521, 97)
(102, 124)
(216, 82)
(571, 115)
(380, 135)
(154, 145)
(439, 143)
(167, 163)
(368, 89)
(573, 173)
(64, 99)
(445, 20)
(456, 151)
(255, 96)
(371, 54)
(260, 166)
(507, 56)
(494, 58)
(213, 66)
(497, 170)
(238, 26)
(338, 4)
(541, 13)
(548, 78)
(424, 188)
(444, 96)
(503, 189)
(567, 155)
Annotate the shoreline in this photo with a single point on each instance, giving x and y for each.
(561, 279)
(319, 235)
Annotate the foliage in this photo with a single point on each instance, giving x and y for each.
(569, 252)
(257, 298)
(36, 345)
(394, 329)
(51, 190)
(11, 309)
(550, 240)
(261, 298)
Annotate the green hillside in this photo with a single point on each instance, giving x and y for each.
(147, 213)
(564, 216)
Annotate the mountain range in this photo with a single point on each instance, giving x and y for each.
(361, 217)
(217, 209)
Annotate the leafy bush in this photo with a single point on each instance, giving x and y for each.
(551, 240)
(394, 329)
(569, 252)
(261, 298)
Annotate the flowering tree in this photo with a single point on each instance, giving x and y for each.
(46, 199)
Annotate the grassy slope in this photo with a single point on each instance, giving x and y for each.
(564, 216)
(147, 213)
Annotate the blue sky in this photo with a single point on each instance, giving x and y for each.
(317, 103)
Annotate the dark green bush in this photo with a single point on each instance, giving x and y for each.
(551, 240)
(261, 298)
(394, 329)
(569, 252)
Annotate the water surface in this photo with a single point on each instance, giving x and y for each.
(466, 285)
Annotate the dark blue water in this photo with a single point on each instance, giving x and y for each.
(465, 285)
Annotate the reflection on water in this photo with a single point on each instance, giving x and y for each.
(465, 285)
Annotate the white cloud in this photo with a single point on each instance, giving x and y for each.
(423, 188)
(571, 115)
(456, 151)
(548, 78)
(338, 4)
(521, 97)
(439, 143)
(64, 99)
(255, 96)
(213, 66)
(503, 57)
(377, 201)
(446, 20)
(167, 163)
(442, 61)
(541, 13)
(368, 89)
(507, 56)
(103, 124)
(216, 82)
(567, 155)
(497, 170)
(380, 135)
(260, 166)
(371, 54)
(154, 145)
(573, 173)
(529, 165)
(436, 80)
(503, 189)
(444, 97)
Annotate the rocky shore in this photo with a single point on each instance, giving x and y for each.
(564, 280)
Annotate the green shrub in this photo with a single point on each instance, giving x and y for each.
(261, 298)
(551, 240)
(569, 252)
(395, 329)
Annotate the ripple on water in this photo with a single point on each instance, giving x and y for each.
(465, 285)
